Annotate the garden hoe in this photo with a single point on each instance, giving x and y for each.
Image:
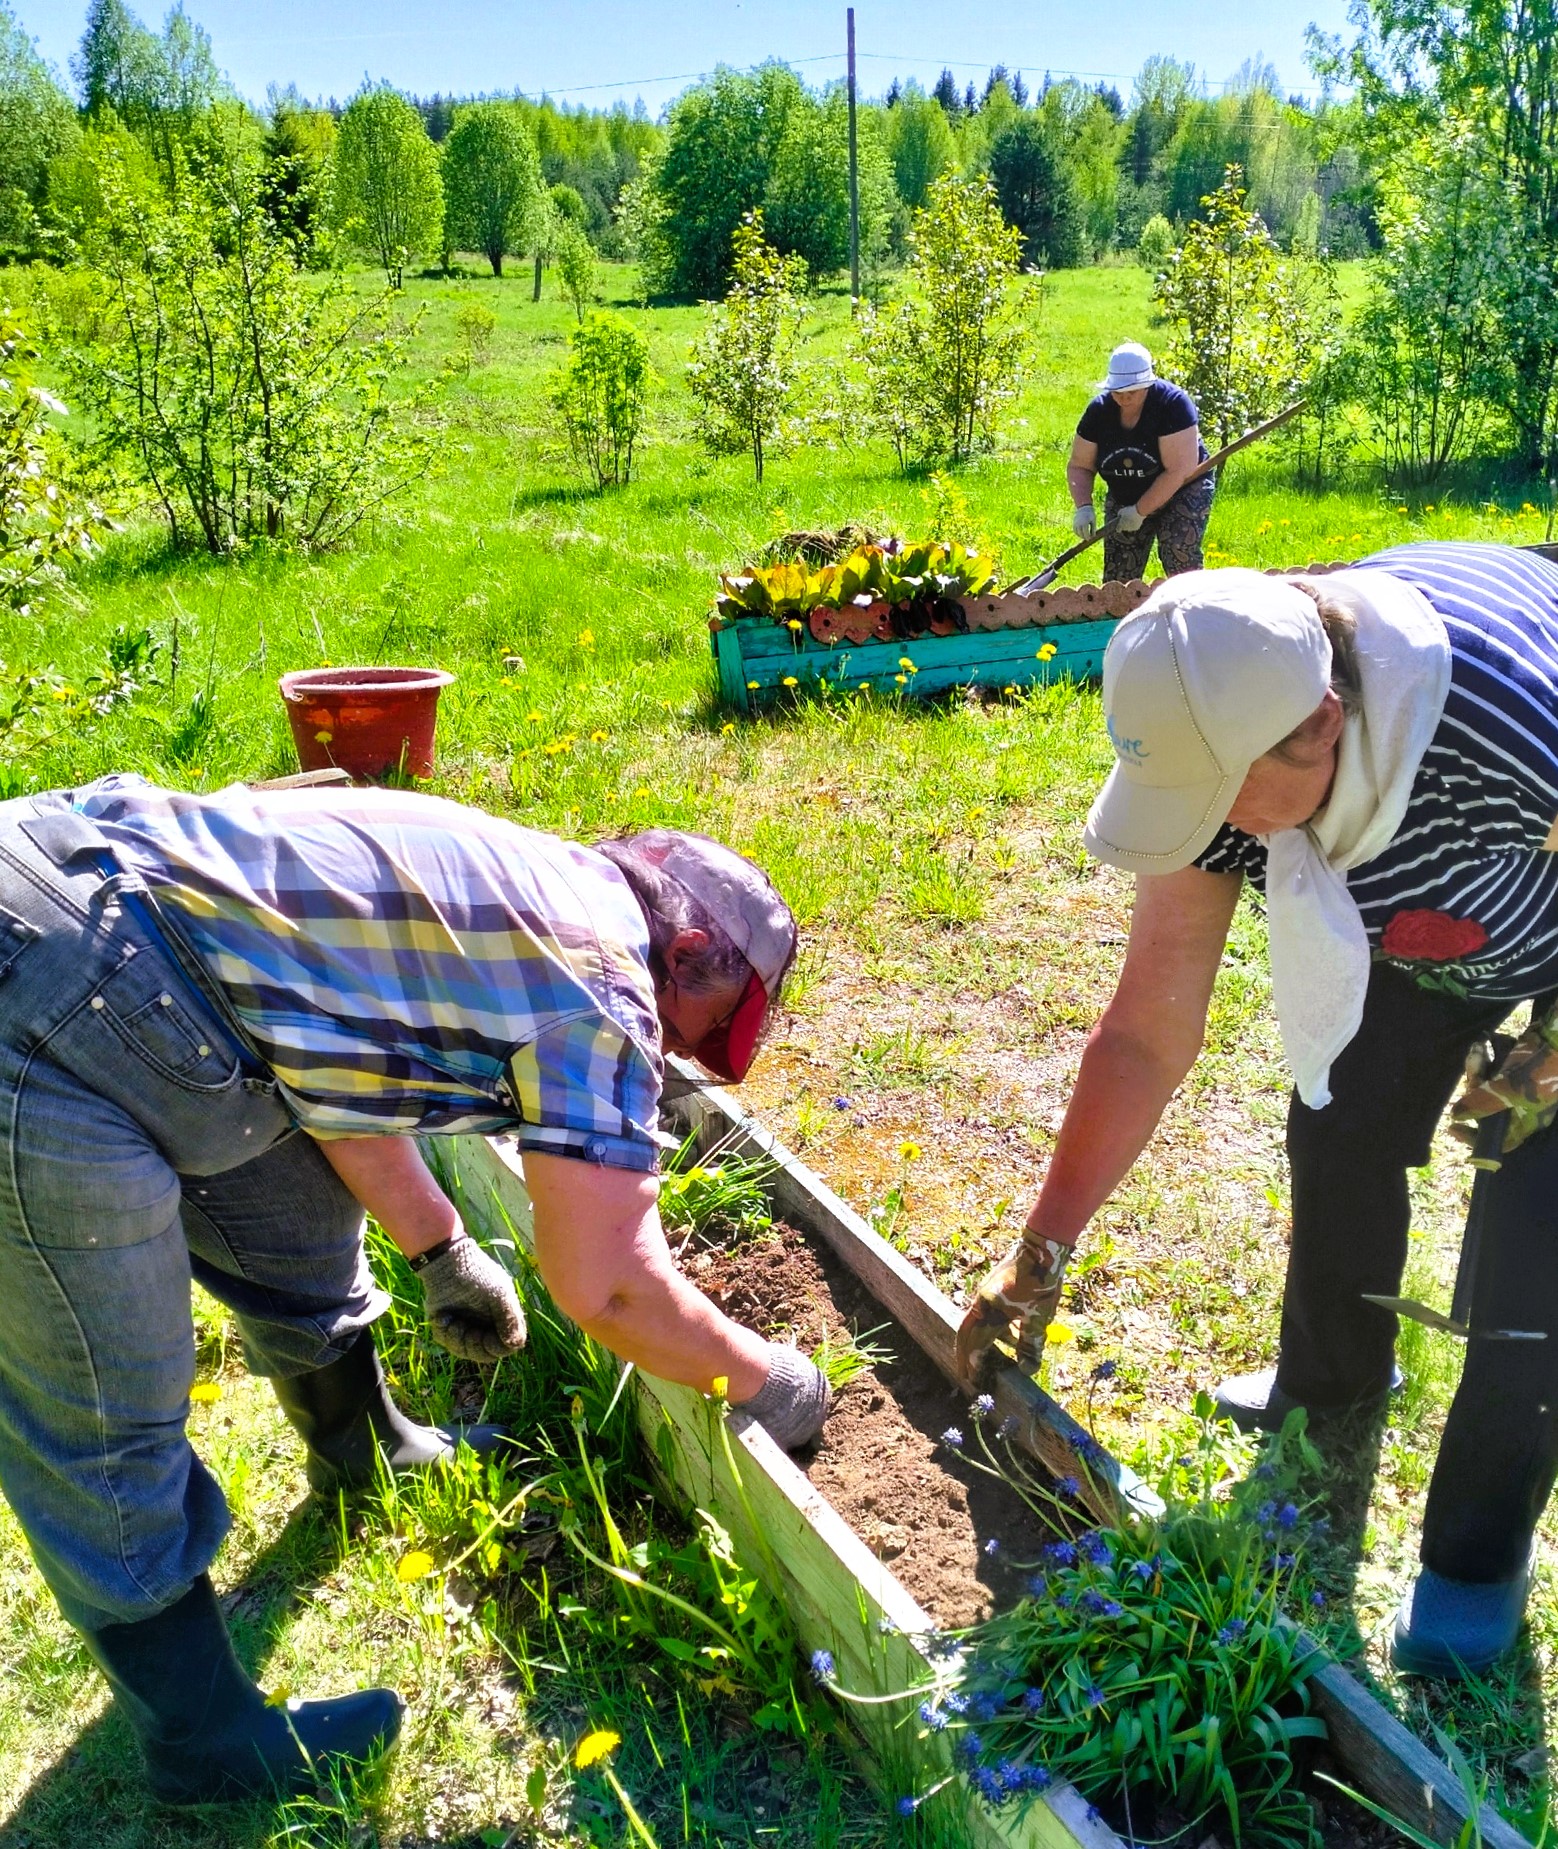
(1042, 580)
(1487, 1152)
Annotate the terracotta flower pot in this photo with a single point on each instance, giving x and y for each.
(371, 722)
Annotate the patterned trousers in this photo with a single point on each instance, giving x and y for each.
(1178, 527)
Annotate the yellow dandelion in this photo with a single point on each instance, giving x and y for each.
(586, 638)
(909, 1151)
(727, 728)
(719, 1387)
(907, 665)
(902, 679)
(206, 1392)
(791, 681)
(1284, 523)
(504, 681)
(596, 1745)
(1264, 527)
(1527, 508)
(1047, 653)
(323, 738)
(1401, 510)
(642, 790)
(1430, 507)
(599, 738)
(415, 1565)
(1058, 1334)
(751, 685)
(535, 718)
(794, 623)
(977, 811)
(1353, 538)
(1007, 690)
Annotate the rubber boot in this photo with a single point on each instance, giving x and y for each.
(1255, 1402)
(1455, 1628)
(345, 1416)
(206, 1732)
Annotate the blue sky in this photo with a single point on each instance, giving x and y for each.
(592, 51)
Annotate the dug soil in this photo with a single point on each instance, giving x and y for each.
(881, 1463)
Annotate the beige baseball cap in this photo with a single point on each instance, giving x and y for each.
(1209, 673)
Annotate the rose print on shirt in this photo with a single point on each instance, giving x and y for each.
(1428, 944)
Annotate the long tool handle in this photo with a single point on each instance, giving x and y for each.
(1038, 581)
(1486, 1154)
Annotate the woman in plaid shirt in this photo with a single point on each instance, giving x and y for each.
(224, 1021)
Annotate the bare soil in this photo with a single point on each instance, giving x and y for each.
(917, 1504)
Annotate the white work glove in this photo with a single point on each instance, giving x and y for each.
(1128, 520)
(1084, 522)
(794, 1400)
(470, 1300)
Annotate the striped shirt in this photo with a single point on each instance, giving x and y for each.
(409, 965)
(1465, 896)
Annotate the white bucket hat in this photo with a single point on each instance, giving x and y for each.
(1208, 674)
(1130, 368)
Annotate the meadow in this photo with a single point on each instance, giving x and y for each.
(957, 946)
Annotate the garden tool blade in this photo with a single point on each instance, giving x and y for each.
(1436, 1319)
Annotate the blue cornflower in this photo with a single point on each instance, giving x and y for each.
(933, 1717)
(1142, 1569)
(906, 1807)
(992, 1548)
(952, 1436)
(987, 1785)
(1063, 1553)
(941, 1643)
(1033, 1699)
(1232, 1631)
(1040, 1778)
(1010, 1774)
(1093, 1813)
(1106, 1370)
(1067, 1486)
(956, 1703)
(1317, 1598)
(1037, 1586)
(1093, 1602)
(982, 1407)
(822, 1665)
(1095, 1695)
(1266, 1514)
(1112, 1608)
(1287, 1515)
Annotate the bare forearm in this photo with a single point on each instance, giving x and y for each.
(1160, 493)
(667, 1327)
(1122, 1090)
(1080, 482)
(387, 1176)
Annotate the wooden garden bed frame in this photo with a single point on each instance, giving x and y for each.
(840, 1597)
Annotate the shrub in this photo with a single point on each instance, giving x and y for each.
(742, 367)
(267, 410)
(475, 323)
(601, 394)
(576, 266)
(940, 365)
(1156, 244)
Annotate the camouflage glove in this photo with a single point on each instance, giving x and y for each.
(1525, 1084)
(1016, 1303)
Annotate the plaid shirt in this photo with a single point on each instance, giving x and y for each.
(410, 965)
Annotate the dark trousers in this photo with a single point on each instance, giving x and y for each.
(1499, 1454)
(1179, 526)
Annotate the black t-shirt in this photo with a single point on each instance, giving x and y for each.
(1129, 460)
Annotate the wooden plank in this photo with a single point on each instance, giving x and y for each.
(1109, 1488)
(1392, 1766)
(840, 1596)
(726, 644)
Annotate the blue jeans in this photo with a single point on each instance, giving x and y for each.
(140, 1149)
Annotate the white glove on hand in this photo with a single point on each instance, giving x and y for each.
(1128, 520)
(794, 1400)
(1083, 522)
(471, 1303)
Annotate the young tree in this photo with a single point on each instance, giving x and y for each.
(299, 145)
(576, 266)
(1038, 193)
(741, 369)
(921, 144)
(268, 411)
(114, 65)
(940, 364)
(601, 395)
(492, 182)
(37, 127)
(1240, 342)
(388, 197)
(806, 206)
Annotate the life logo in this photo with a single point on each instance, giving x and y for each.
(1127, 750)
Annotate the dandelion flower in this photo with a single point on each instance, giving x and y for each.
(323, 738)
(596, 1745)
(791, 681)
(642, 790)
(751, 686)
(206, 1392)
(794, 623)
(535, 718)
(415, 1565)
(586, 638)
(1048, 652)
(727, 728)
(900, 679)
(1059, 1334)
(599, 738)
(907, 665)
(909, 1151)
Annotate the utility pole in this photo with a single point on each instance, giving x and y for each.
(854, 180)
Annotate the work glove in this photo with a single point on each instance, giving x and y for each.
(794, 1400)
(1525, 1084)
(1084, 523)
(1128, 520)
(471, 1302)
(1015, 1303)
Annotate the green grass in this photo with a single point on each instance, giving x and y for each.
(958, 946)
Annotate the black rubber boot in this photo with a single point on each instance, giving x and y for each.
(347, 1419)
(207, 1733)
(1255, 1402)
